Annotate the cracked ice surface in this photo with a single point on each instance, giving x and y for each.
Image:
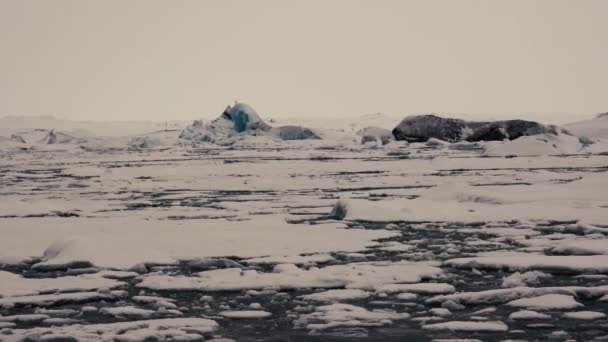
(182, 241)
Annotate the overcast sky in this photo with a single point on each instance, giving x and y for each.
(157, 60)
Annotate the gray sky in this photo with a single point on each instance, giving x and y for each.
(156, 60)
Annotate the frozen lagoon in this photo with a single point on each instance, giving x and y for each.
(184, 241)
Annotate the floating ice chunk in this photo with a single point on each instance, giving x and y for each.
(441, 312)
(28, 318)
(337, 295)
(56, 299)
(59, 321)
(584, 315)
(296, 259)
(395, 246)
(294, 133)
(579, 246)
(538, 145)
(204, 264)
(127, 311)
(422, 288)
(484, 311)
(245, 314)
(341, 315)
(156, 329)
(4, 325)
(510, 294)
(494, 326)
(434, 142)
(527, 261)
(547, 302)
(255, 306)
(287, 276)
(15, 285)
(456, 340)
(381, 136)
(528, 314)
(452, 305)
(160, 302)
(522, 279)
(407, 296)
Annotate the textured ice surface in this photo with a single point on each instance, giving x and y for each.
(148, 236)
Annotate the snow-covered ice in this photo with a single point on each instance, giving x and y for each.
(129, 232)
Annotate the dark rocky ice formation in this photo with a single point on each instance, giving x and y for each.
(421, 128)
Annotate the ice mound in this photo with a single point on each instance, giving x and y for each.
(381, 136)
(153, 140)
(17, 138)
(241, 117)
(144, 142)
(293, 133)
(54, 137)
(238, 121)
(420, 128)
(596, 128)
(511, 130)
(536, 145)
(14, 142)
(64, 254)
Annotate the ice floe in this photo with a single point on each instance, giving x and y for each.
(497, 326)
(346, 315)
(288, 276)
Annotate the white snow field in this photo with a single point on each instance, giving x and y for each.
(127, 232)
